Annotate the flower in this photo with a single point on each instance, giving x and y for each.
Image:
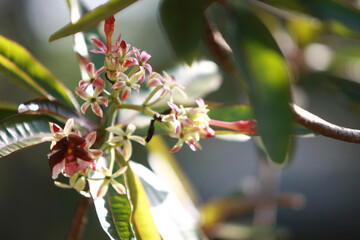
(142, 59)
(71, 154)
(168, 82)
(123, 139)
(93, 100)
(93, 75)
(110, 179)
(188, 125)
(127, 84)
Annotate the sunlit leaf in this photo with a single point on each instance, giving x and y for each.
(172, 220)
(92, 18)
(165, 165)
(20, 66)
(142, 218)
(21, 131)
(113, 210)
(55, 109)
(260, 62)
(7, 110)
(183, 21)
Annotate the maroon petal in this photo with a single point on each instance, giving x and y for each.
(82, 154)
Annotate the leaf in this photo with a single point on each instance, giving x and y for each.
(172, 220)
(92, 18)
(20, 66)
(143, 220)
(165, 165)
(55, 109)
(259, 60)
(21, 131)
(7, 110)
(183, 22)
(113, 210)
(335, 10)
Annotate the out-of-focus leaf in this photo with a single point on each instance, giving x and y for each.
(335, 10)
(113, 210)
(183, 21)
(165, 165)
(171, 218)
(142, 218)
(323, 9)
(20, 66)
(260, 62)
(21, 131)
(7, 110)
(55, 109)
(92, 18)
(231, 113)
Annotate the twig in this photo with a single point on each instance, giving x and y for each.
(80, 219)
(322, 127)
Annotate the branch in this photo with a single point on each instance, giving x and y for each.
(322, 127)
(80, 219)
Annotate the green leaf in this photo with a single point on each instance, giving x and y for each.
(7, 110)
(231, 113)
(335, 10)
(20, 66)
(92, 18)
(55, 109)
(183, 22)
(260, 62)
(113, 210)
(21, 131)
(171, 218)
(142, 218)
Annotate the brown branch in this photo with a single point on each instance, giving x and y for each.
(322, 127)
(80, 219)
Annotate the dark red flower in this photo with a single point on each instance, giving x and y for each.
(71, 155)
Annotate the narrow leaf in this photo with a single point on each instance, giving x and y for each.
(7, 110)
(54, 109)
(261, 64)
(171, 218)
(183, 21)
(113, 210)
(21, 131)
(143, 220)
(92, 18)
(20, 66)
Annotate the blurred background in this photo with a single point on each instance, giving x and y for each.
(323, 172)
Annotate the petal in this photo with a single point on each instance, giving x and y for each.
(177, 146)
(54, 128)
(99, 44)
(130, 62)
(91, 138)
(119, 172)
(115, 130)
(97, 91)
(90, 69)
(138, 139)
(84, 107)
(148, 67)
(95, 153)
(127, 150)
(118, 84)
(75, 166)
(97, 51)
(97, 109)
(69, 126)
(82, 154)
(82, 93)
(116, 139)
(103, 189)
(102, 100)
(126, 93)
(130, 129)
(56, 169)
(120, 189)
(99, 82)
(144, 57)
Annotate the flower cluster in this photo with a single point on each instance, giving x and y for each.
(188, 125)
(126, 68)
